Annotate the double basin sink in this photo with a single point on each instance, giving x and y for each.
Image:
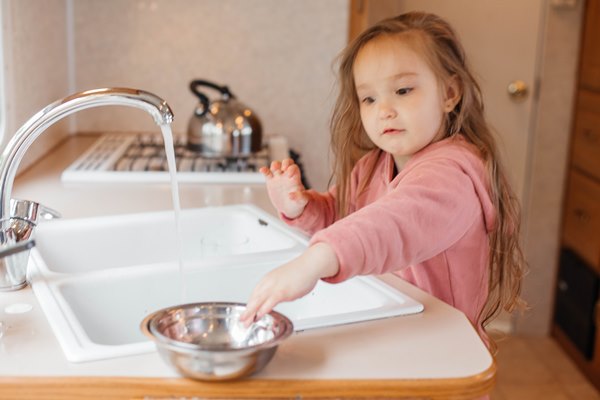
(97, 278)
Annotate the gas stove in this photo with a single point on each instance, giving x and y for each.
(140, 157)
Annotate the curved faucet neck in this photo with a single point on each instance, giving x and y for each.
(32, 129)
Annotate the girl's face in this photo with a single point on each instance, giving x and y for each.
(402, 105)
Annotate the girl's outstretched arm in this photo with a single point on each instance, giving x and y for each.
(284, 185)
(291, 281)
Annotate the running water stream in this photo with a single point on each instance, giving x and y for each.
(170, 152)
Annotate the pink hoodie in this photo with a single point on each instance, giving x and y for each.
(428, 224)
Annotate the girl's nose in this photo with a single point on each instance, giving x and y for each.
(386, 111)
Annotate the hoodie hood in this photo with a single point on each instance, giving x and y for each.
(467, 156)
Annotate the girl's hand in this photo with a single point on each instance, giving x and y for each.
(291, 281)
(284, 185)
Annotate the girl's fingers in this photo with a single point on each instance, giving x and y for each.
(292, 171)
(285, 164)
(261, 302)
(249, 315)
(276, 167)
(266, 172)
(256, 311)
(266, 307)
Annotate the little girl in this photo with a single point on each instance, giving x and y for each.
(419, 191)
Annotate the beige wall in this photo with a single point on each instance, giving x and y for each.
(275, 55)
(35, 50)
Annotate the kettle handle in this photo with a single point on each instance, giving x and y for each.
(224, 90)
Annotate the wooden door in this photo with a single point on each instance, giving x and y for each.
(589, 77)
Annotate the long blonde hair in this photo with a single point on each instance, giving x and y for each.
(443, 51)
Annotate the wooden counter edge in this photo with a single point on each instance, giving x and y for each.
(66, 388)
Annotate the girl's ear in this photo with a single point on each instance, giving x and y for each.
(453, 93)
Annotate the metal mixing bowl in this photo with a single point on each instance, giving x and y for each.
(207, 341)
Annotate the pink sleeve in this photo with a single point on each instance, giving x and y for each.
(431, 208)
(321, 211)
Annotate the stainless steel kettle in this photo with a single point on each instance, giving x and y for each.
(224, 127)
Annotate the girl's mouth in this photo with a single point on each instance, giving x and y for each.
(391, 131)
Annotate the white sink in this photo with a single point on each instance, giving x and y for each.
(89, 244)
(97, 278)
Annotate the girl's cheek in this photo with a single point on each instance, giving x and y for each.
(363, 116)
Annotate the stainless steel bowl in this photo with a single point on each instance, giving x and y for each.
(207, 341)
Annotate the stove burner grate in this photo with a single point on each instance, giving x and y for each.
(127, 156)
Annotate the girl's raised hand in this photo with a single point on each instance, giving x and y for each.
(284, 185)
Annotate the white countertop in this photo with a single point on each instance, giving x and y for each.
(439, 343)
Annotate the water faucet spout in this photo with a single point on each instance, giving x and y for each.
(31, 130)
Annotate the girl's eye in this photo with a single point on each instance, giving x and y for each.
(403, 91)
(367, 100)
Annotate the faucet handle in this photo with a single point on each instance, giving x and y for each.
(31, 211)
(47, 213)
(19, 247)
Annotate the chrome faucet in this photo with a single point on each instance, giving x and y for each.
(29, 132)
(17, 217)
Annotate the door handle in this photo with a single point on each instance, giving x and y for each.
(517, 90)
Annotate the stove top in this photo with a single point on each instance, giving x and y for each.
(140, 157)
